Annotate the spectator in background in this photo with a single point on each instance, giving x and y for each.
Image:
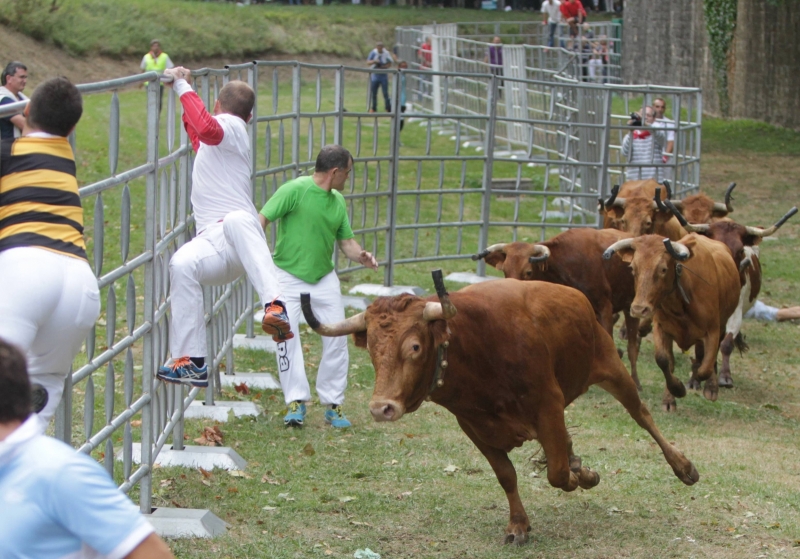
(641, 144)
(402, 65)
(494, 56)
(55, 502)
(379, 59)
(425, 58)
(552, 9)
(596, 62)
(573, 14)
(13, 80)
(156, 61)
(660, 107)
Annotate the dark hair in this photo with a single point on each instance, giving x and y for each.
(56, 107)
(15, 386)
(332, 156)
(10, 70)
(237, 98)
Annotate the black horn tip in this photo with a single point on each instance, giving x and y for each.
(658, 201)
(536, 259)
(678, 215)
(305, 304)
(668, 188)
(729, 196)
(614, 193)
(608, 254)
(438, 282)
(785, 218)
(672, 252)
(481, 255)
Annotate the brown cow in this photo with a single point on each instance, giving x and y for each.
(632, 208)
(516, 354)
(742, 242)
(572, 258)
(699, 208)
(690, 309)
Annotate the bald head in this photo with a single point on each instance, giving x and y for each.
(237, 98)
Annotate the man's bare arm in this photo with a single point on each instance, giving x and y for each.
(18, 121)
(263, 221)
(354, 252)
(152, 547)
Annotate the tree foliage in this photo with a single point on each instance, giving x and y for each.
(720, 18)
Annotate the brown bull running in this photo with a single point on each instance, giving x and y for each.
(690, 289)
(573, 258)
(515, 355)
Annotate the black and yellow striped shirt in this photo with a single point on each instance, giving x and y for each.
(39, 201)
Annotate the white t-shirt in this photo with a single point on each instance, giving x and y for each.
(664, 123)
(221, 175)
(56, 503)
(553, 11)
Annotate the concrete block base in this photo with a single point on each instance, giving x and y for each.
(206, 457)
(220, 410)
(263, 343)
(466, 277)
(375, 290)
(186, 523)
(262, 381)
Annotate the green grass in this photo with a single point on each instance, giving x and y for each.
(195, 30)
(749, 135)
(385, 486)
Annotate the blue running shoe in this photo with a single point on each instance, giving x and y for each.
(296, 414)
(183, 371)
(334, 416)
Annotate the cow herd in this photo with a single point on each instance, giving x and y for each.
(506, 357)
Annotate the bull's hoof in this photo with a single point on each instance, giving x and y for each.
(689, 477)
(725, 380)
(711, 392)
(588, 478)
(669, 405)
(676, 388)
(693, 384)
(516, 536)
(575, 463)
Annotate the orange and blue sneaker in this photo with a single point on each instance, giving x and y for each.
(276, 321)
(183, 371)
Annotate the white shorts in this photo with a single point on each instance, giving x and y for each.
(48, 304)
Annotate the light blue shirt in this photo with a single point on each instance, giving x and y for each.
(56, 503)
(384, 61)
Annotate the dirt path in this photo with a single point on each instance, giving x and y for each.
(46, 61)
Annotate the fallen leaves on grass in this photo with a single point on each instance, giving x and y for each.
(308, 450)
(239, 473)
(206, 473)
(211, 436)
(347, 499)
(136, 423)
(242, 388)
(272, 481)
(451, 469)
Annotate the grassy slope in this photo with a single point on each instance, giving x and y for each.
(195, 30)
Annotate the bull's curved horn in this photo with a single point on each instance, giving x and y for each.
(444, 309)
(613, 197)
(702, 228)
(729, 197)
(355, 323)
(619, 245)
(541, 254)
(677, 251)
(770, 230)
(667, 188)
(493, 248)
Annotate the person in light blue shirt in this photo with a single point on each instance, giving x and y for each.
(379, 59)
(56, 503)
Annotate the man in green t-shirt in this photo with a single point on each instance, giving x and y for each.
(313, 215)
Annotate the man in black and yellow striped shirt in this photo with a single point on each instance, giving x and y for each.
(48, 293)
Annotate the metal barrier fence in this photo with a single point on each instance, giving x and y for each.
(494, 157)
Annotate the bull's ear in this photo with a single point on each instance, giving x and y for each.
(690, 242)
(360, 338)
(496, 258)
(440, 331)
(615, 212)
(626, 254)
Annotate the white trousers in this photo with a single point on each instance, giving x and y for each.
(596, 70)
(220, 254)
(326, 300)
(48, 304)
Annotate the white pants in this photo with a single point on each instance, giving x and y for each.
(48, 304)
(596, 70)
(220, 254)
(326, 300)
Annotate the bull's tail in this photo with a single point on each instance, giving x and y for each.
(740, 344)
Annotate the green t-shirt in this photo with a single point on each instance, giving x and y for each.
(311, 220)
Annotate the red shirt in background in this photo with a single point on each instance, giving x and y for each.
(426, 53)
(572, 9)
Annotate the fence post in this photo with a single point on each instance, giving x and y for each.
(391, 212)
(296, 119)
(488, 170)
(338, 106)
(249, 299)
(148, 357)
